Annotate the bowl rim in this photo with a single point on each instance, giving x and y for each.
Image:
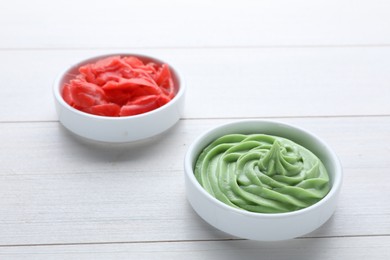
(57, 86)
(189, 171)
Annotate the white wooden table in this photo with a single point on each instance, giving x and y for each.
(321, 65)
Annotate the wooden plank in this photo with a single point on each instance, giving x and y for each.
(259, 82)
(151, 23)
(60, 189)
(324, 248)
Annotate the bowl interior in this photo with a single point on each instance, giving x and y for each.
(298, 135)
(72, 71)
(118, 129)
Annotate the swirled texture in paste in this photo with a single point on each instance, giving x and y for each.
(261, 173)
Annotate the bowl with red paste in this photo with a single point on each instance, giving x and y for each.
(119, 97)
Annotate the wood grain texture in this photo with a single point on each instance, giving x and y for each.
(61, 189)
(321, 65)
(124, 24)
(258, 82)
(323, 248)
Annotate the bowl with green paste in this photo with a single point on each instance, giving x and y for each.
(262, 180)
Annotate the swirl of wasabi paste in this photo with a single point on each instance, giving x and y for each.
(261, 173)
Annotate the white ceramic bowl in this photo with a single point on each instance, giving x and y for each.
(261, 226)
(118, 129)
